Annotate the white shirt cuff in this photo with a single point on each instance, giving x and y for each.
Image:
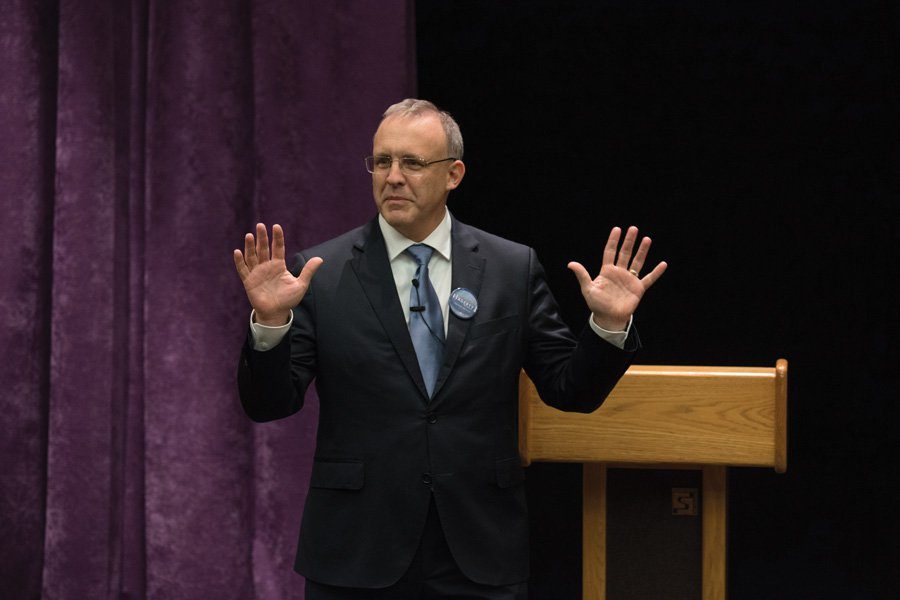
(616, 338)
(266, 337)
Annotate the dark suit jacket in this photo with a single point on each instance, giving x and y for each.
(383, 447)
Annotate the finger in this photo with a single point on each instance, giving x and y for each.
(627, 247)
(584, 278)
(609, 251)
(262, 242)
(309, 269)
(277, 242)
(640, 256)
(651, 277)
(240, 265)
(250, 250)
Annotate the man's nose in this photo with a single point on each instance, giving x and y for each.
(395, 175)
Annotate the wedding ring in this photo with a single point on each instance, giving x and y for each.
(633, 272)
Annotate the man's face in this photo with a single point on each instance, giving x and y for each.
(414, 203)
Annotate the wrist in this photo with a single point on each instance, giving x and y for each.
(609, 324)
(276, 319)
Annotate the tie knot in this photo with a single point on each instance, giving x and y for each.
(421, 253)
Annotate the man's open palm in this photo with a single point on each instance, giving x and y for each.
(615, 293)
(272, 290)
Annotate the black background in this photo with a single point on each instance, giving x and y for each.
(754, 142)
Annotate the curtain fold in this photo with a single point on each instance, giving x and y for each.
(27, 125)
(142, 139)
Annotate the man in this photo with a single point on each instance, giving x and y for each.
(415, 327)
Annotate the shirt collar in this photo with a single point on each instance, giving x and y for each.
(396, 242)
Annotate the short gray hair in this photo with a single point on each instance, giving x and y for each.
(415, 107)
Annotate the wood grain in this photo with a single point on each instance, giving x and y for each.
(664, 415)
(714, 509)
(781, 384)
(593, 539)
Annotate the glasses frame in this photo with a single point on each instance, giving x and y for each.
(420, 163)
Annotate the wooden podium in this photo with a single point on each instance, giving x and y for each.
(664, 417)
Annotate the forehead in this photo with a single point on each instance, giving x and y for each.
(414, 135)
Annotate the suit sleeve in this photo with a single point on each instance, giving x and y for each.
(272, 384)
(571, 374)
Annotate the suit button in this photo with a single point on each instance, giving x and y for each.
(432, 418)
(426, 478)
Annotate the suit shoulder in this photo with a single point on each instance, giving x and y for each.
(495, 244)
(336, 247)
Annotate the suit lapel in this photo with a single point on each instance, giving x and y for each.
(467, 272)
(373, 270)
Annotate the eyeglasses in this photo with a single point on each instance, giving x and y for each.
(408, 164)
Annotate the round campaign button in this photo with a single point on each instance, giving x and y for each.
(463, 303)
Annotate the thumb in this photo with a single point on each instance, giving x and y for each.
(584, 279)
(309, 269)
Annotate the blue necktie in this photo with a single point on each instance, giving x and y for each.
(426, 323)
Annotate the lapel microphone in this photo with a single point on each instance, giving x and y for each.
(415, 283)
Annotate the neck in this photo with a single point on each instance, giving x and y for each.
(419, 231)
(416, 236)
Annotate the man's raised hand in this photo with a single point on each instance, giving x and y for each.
(617, 290)
(272, 290)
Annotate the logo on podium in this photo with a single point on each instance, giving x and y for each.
(684, 501)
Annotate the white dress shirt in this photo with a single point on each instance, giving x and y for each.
(403, 266)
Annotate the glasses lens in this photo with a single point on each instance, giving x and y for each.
(378, 163)
(411, 164)
(408, 164)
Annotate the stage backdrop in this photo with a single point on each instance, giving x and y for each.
(751, 140)
(140, 140)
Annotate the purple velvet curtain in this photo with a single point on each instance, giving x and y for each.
(140, 140)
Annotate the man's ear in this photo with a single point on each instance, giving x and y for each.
(455, 174)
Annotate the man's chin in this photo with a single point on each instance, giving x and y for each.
(397, 217)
